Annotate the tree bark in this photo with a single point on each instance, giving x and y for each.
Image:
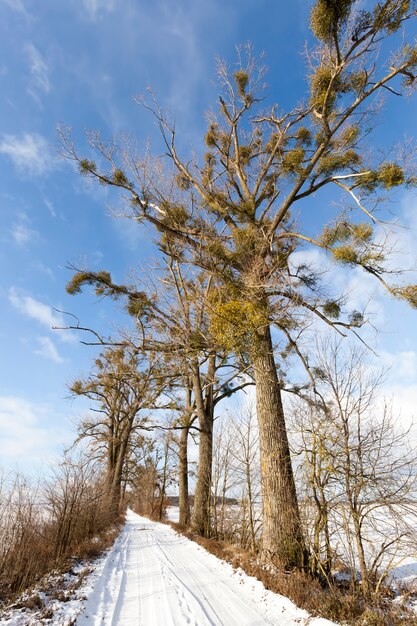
(184, 501)
(119, 450)
(282, 536)
(116, 486)
(250, 507)
(163, 488)
(200, 521)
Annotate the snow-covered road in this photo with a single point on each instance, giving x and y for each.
(155, 577)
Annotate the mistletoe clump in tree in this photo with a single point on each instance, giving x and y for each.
(231, 213)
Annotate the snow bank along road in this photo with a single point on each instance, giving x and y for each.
(155, 577)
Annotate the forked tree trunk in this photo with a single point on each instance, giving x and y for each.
(112, 491)
(200, 521)
(116, 488)
(163, 488)
(282, 537)
(184, 501)
(365, 582)
(115, 469)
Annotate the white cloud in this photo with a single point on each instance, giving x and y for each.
(21, 231)
(96, 257)
(96, 7)
(359, 290)
(30, 153)
(39, 73)
(404, 406)
(26, 434)
(402, 365)
(132, 235)
(22, 234)
(41, 267)
(34, 309)
(404, 255)
(50, 207)
(48, 350)
(15, 5)
(40, 312)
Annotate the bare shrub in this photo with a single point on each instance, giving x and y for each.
(23, 548)
(76, 506)
(42, 526)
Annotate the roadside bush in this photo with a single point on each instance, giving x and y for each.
(43, 526)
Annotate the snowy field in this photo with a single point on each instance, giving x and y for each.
(173, 513)
(154, 577)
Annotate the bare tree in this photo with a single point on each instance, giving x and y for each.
(150, 477)
(21, 553)
(236, 479)
(223, 481)
(126, 385)
(44, 523)
(360, 469)
(313, 431)
(246, 461)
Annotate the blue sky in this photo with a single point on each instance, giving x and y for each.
(80, 63)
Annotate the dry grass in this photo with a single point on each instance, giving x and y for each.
(92, 547)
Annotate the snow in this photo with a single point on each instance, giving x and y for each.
(153, 576)
(173, 513)
(405, 573)
(156, 577)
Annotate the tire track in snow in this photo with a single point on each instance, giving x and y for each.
(101, 605)
(183, 590)
(155, 577)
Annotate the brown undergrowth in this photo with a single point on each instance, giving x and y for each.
(336, 602)
(44, 530)
(62, 581)
(41, 563)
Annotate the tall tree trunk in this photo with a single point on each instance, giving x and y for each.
(200, 521)
(184, 501)
(111, 485)
(116, 488)
(282, 537)
(201, 511)
(250, 505)
(162, 496)
(121, 454)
